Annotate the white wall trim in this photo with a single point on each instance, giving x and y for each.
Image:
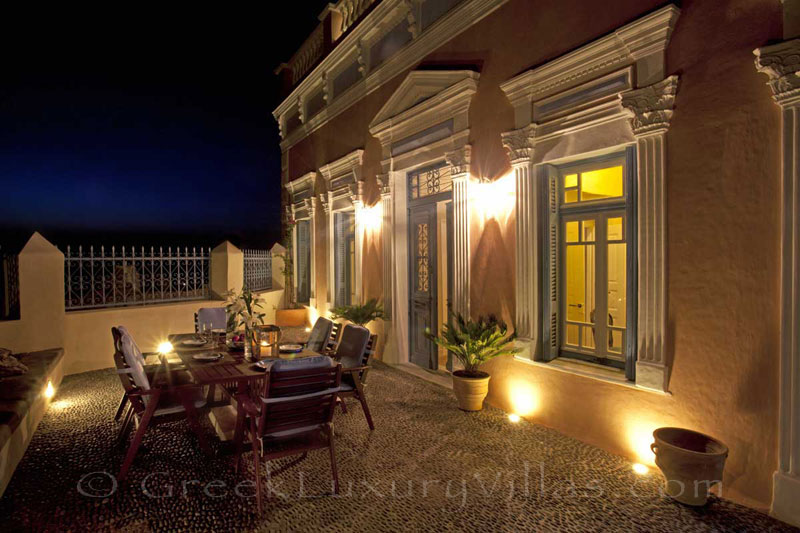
(641, 43)
(345, 192)
(781, 63)
(458, 19)
(621, 116)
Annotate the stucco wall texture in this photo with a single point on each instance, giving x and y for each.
(723, 228)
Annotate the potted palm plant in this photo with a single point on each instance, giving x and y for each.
(473, 343)
(359, 314)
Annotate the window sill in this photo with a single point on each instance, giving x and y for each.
(588, 370)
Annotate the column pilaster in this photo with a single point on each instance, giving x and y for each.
(519, 145)
(459, 161)
(781, 63)
(387, 242)
(651, 111)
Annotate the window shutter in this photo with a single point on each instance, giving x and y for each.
(548, 177)
(303, 261)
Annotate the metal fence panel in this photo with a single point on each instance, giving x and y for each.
(257, 270)
(134, 276)
(9, 286)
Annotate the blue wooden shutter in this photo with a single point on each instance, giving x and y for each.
(548, 177)
(303, 261)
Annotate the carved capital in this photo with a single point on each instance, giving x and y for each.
(651, 106)
(519, 144)
(459, 159)
(357, 192)
(300, 113)
(326, 206)
(781, 63)
(309, 204)
(385, 184)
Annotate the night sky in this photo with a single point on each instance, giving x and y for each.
(144, 126)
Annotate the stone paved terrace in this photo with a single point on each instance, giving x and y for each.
(427, 466)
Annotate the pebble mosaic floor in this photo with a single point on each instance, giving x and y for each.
(427, 467)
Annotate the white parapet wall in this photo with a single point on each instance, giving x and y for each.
(86, 335)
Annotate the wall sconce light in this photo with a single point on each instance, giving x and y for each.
(494, 199)
(371, 218)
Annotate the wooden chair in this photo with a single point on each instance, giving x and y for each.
(153, 400)
(181, 377)
(333, 340)
(320, 335)
(292, 416)
(354, 377)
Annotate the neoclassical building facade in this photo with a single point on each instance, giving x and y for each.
(618, 184)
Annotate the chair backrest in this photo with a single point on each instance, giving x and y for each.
(299, 396)
(216, 316)
(336, 332)
(125, 371)
(320, 335)
(352, 345)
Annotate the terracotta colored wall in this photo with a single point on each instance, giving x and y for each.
(722, 191)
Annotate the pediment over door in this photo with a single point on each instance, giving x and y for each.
(424, 97)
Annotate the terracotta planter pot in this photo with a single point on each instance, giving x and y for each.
(692, 463)
(470, 391)
(291, 317)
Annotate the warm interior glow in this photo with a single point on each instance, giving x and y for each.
(308, 330)
(164, 347)
(513, 417)
(371, 218)
(49, 391)
(493, 199)
(523, 397)
(640, 469)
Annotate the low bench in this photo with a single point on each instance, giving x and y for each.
(22, 405)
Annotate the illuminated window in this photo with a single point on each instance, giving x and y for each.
(589, 273)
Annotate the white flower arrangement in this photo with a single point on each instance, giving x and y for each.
(243, 310)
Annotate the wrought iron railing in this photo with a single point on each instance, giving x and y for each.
(134, 276)
(9, 286)
(257, 270)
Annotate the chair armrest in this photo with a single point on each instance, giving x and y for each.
(355, 369)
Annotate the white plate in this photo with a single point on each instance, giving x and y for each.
(207, 356)
(291, 347)
(194, 342)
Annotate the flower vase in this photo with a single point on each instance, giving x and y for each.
(248, 345)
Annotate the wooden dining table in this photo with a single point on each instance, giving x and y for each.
(231, 371)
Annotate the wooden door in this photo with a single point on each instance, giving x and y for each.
(422, 285)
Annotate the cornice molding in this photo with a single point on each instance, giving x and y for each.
(781, 63)
(651, 107)
(306, 181)
(458, 19)
(644, 37)
(349, 163)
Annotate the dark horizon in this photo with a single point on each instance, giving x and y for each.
(152, 129)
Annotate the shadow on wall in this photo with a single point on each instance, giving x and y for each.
(491, 272)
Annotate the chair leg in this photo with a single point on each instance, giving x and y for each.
(342, 404)
(256, 461)
(137, 438)
(238, 436)
(191, 417)
(363, 399)
(333, 461)
(122, 403)
(211, 394)
(125, 429)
